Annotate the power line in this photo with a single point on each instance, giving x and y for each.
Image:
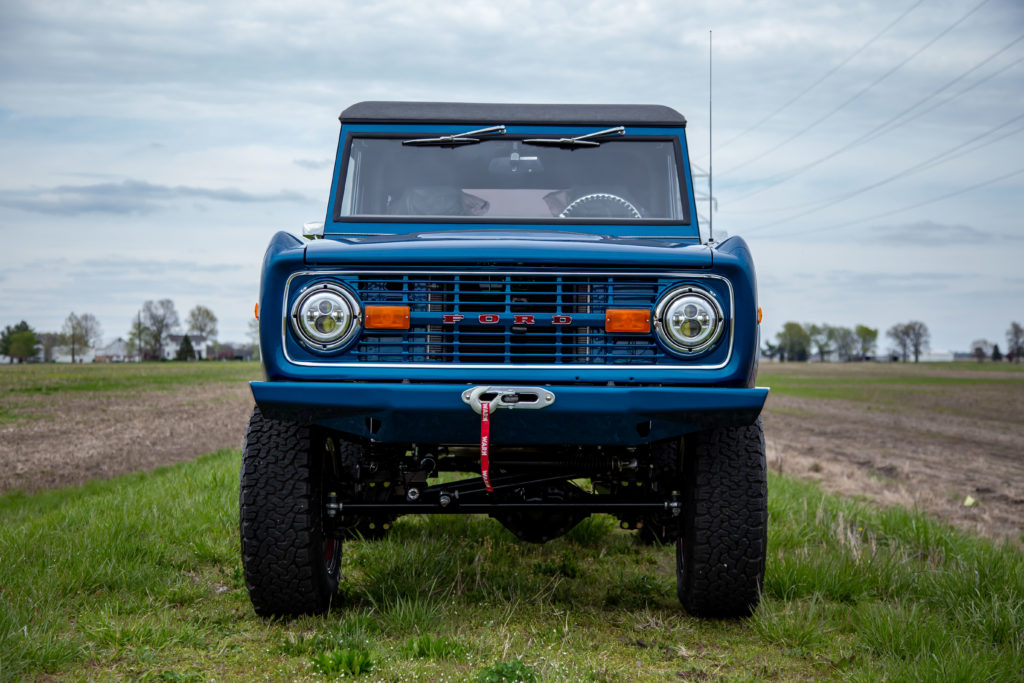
(858, 94)
(908, 120)
(824, 77)
(892, 123)
(940, 198)
(940, 158)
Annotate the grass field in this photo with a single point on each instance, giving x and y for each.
(885, 383)
(53, 378)
(139, 578)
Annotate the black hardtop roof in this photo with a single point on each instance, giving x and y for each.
(492, 113)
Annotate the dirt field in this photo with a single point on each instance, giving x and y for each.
(928, 436)
(57, 432)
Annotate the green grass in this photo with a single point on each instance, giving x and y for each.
(139, 578)
(891, 385)
(53, 378)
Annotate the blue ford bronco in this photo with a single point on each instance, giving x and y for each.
(519, 293)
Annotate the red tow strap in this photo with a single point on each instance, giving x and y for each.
(485, 443)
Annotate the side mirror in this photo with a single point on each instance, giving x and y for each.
(313, 231)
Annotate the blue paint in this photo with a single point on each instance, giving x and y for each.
(405, 385)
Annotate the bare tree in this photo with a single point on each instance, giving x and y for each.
(254, 335)
(867, 337)
(845, 342)
(1015, 341)
(82, 332)
(160, 318)
(821, 339)
(981, 349)
(901, 338)
(48, 341)
(202, 321)
(918, 337)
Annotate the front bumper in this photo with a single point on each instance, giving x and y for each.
(580, 415)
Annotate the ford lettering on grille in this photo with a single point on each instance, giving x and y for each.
(495, 318)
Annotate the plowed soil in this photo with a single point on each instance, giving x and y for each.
(947, 440)
(74, 437)
(955, 450)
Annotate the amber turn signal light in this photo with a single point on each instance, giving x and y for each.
(758, 315)
(387, 318)
(632, 320)
(256, 311)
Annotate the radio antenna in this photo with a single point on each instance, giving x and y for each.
(711, 194)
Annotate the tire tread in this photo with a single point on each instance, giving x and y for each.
(721, 552)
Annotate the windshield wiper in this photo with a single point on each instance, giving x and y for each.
(457, 138)
(578, 141)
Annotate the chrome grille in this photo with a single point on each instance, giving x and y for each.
(507, 318)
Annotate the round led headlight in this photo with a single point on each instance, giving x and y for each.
(688, 319)
(325, 316)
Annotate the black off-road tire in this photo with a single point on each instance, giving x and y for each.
(291, 565)
(720, 553)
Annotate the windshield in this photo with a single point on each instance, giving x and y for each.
(621, 180)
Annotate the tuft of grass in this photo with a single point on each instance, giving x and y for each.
(801, 625)
(592, 531)
(344, 662)
(513, 671)
(434, 647)
(566, 566)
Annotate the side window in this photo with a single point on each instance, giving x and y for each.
(350, 182)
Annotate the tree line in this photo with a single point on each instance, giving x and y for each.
(148, 335)
(798, 342)
(157, 320)
(801, 342)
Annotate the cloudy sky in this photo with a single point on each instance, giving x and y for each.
(871, 152)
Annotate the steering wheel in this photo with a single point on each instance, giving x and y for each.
(600, 205)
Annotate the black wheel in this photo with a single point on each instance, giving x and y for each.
(291, 565)
(720, 553)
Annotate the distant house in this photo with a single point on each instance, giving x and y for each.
(115, 352)
(232, 352)
(199, 344)
(936, 357)
(62, 354)
(926, 357)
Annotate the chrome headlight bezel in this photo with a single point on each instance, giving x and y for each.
(711, 319)
(342, 308)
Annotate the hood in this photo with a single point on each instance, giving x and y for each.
(518, 247)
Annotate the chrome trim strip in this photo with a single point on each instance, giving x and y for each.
(624, 237)
(581, 367)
